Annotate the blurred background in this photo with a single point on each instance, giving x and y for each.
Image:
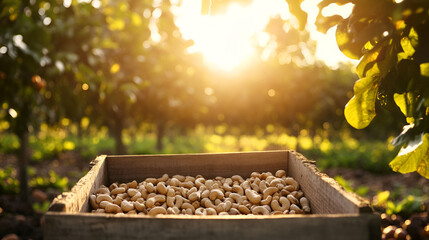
(79, 78)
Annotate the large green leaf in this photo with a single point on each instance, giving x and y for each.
(405, 102)
(407, 46)
(424, 69)
(413, 157)
(360, 110)
(345, 41)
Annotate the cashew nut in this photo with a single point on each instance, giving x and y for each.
(295, 208)
(132, 191)
(262, 185)
(179, 177)
(178, 201)
(285, 204)
(305, 205)
(243, 209)
(216, 194)
(103, 197)
(205, 202)
(280, 173)
(173, 210)
(199, 182)
(139, 206)
(291, 181)
(209, 184)
(269, 191)
(117, 190)
(238, 189)
(292, 199)
(103, 190)
(161, 188)
(211, 211)
(132, 184)
(174, 182)
(195, 196)
(151, 180)
(200, 211)
(236, 197)
(153, 200)
(127, 206)
(157, 210)
(253, 196)
(260, 210)
(118, 200)
(267, 200)
(188, 205)
(112, 208)
(164, 178)
(255, 175)
(237, 178)
(150, 187)
(265, 175)
(93, 202)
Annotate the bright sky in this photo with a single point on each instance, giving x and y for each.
(225, 41)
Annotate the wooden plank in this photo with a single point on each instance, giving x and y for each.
(210, 165)
(61, 226)
(324, 193)
(77, 199)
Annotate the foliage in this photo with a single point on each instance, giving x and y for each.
(8, 182)
(405, 207)
(41, 207)
(391, 40)
(53, 180)
(361, 190)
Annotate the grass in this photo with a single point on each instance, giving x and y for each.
(343, 151)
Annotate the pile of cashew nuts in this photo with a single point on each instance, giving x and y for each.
(261, 194)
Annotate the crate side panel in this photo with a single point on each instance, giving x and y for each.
(128, 168)
(77, 199)
(325, 195)
(359, 227)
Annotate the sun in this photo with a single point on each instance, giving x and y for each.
(225, 41)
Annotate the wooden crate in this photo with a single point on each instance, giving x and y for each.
(336, 214)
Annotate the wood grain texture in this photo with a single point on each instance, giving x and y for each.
(210, 165)
(96, 226)
(77, 199)
(339, 215)
(324, 193)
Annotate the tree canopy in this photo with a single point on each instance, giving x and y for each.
(390, 38)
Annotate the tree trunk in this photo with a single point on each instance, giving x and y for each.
(119, 144)
(23, 160)
(116, 131)
(160, 127)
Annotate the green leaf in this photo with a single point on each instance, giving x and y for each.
(413, 157)
(424, 69)
(414, 37)
(382, 197)
(407, 46)
(403, 101)
(360, 110)
(295, 9)
(345, 41)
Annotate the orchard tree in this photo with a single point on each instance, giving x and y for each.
(175, 91)
(391, 40)
(24, 49)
